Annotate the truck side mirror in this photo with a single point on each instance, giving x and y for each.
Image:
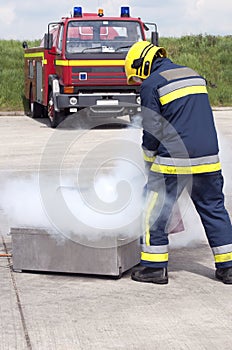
(155, 38)
(48, 41)
(24, 45)
(153, 32)
(145, 27)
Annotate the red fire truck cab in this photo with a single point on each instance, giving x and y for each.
(80, 65)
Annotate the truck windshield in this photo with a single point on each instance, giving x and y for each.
(102, 36)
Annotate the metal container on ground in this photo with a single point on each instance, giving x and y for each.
(41, 250)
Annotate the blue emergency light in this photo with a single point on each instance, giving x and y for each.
(125, 11)
(77, 11)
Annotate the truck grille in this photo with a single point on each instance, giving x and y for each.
(98, 75)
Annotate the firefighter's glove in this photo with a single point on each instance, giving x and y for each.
(149, 157)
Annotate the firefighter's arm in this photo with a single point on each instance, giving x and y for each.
(152, 124)
(152, 120)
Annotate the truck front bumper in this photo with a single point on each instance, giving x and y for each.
(100, 103)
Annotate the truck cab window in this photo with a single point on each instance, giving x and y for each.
(101, 36)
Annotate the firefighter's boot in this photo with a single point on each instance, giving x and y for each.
(224, 275)
(150, 275)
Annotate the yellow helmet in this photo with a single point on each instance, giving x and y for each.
(139, 60)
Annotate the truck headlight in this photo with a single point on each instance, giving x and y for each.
(73, 101)
(138, 100)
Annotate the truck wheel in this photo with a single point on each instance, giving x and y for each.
(55, 117)
(35, 109)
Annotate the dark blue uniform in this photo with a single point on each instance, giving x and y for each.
(181, 149)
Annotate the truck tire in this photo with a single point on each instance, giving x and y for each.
(55, 117)
(35, 109)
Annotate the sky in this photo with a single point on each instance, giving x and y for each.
(28, 19)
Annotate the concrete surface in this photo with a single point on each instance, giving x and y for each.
(58, 311)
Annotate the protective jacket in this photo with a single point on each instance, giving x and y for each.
(179, 133)
(181, 150)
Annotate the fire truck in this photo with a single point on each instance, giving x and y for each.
(79, 65)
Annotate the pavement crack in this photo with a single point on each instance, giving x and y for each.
(19, 304)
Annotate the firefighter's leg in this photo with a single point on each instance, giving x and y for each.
(164, 191)
(154, 257)
(208, 199)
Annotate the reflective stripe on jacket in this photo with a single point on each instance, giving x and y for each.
(178, 120)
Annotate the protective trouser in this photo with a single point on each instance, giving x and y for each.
(206, 193)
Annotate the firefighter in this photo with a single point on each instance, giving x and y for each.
(180, 149)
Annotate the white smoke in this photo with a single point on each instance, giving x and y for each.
(110, 205)
(20, 203)
(21, 206)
